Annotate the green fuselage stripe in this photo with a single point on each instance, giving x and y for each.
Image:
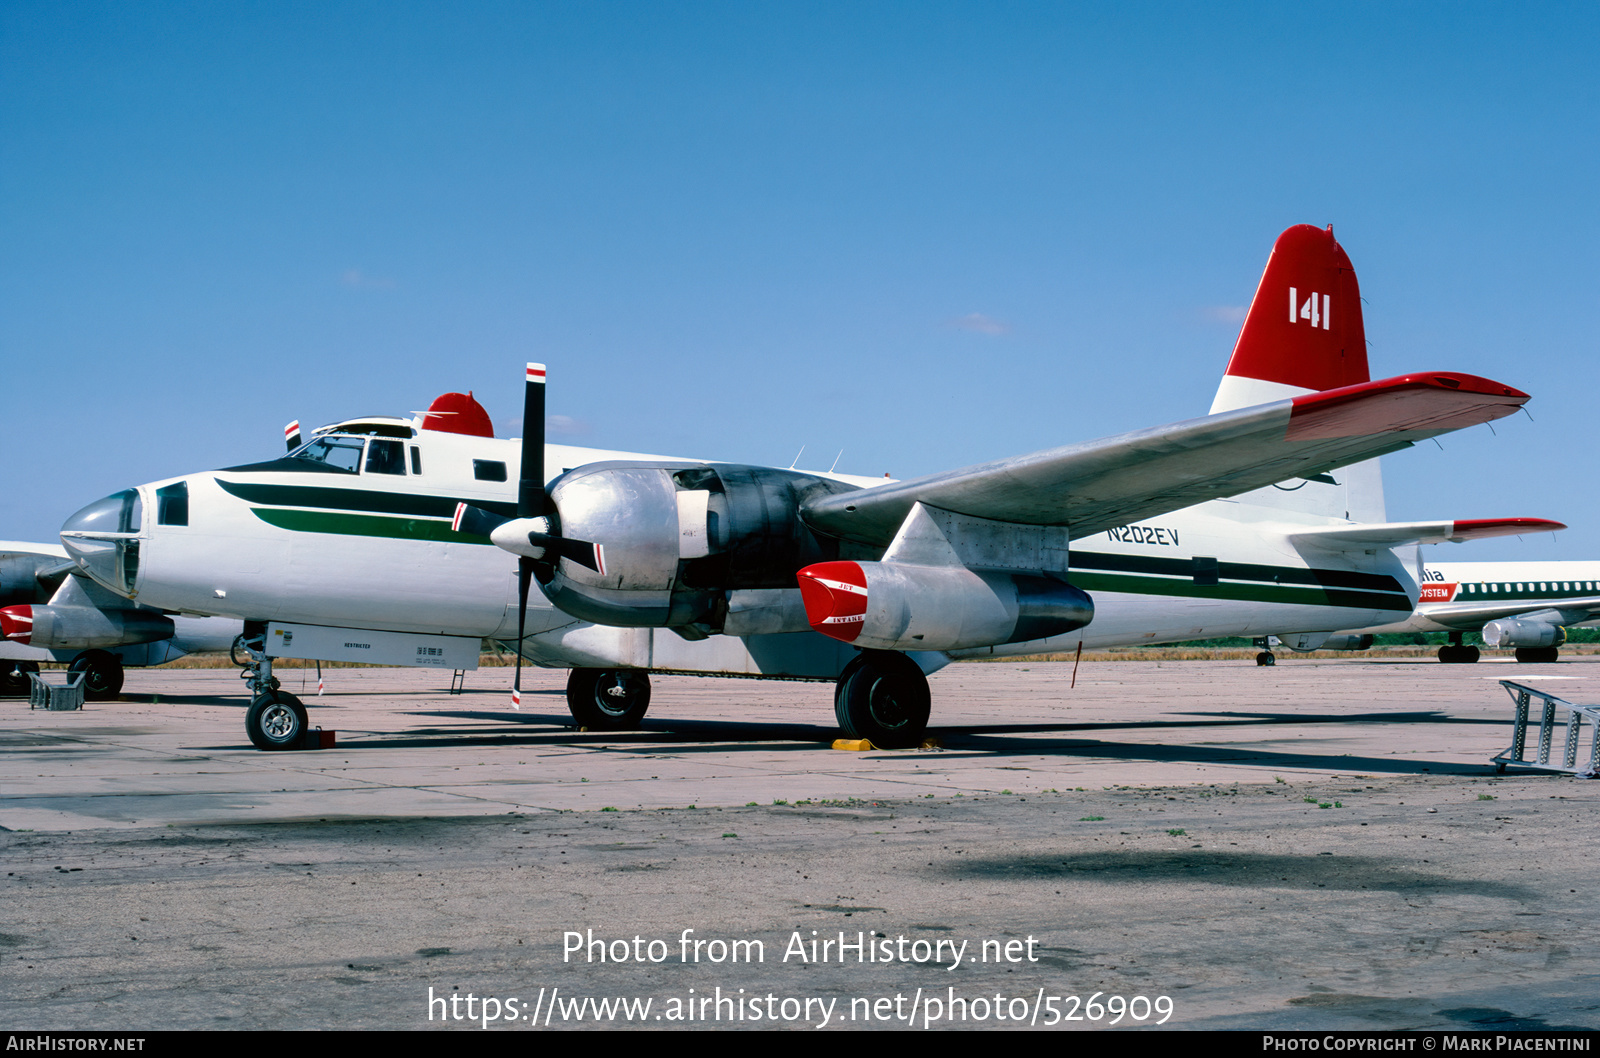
(364, 525)
(1287, 595)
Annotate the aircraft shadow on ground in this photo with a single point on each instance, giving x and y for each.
(1216, 867)
(685, 736)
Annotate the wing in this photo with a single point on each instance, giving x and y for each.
(1471, 616)
(1396, 534)
(1117, 480)
(55, 551)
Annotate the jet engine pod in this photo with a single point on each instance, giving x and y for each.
(899, 606)
(677, 537)
(82, 627)
(1523, 633)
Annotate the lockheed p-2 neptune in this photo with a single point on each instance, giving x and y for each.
(377, 538)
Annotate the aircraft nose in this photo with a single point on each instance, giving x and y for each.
(102, 539)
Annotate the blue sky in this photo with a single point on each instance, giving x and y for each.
(926, 234)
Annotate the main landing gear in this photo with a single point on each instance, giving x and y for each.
(883, 696)
(102, 674)
(1530, 655)
(276, 719)
(1454, 653)
(608, 699)
(14, 678)
(1266, 657)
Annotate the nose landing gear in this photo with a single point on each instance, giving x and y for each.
(276, 719)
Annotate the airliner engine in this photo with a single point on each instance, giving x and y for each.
(1523, 633)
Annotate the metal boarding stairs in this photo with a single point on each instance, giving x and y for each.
(1548, 722)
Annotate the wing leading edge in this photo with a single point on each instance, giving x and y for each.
(1102, 484)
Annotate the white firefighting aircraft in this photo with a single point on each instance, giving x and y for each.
(376, 538)
(49, 611)
(1526, 606)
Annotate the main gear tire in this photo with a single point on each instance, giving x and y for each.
(882, 696)
(103, 674)
(14, 678)
(608, 699)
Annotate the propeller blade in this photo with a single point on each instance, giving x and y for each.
(530, 486)
(530, 499)
(524, 578)
(476, 520)
(580, 551)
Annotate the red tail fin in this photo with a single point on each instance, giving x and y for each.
(1304, 327)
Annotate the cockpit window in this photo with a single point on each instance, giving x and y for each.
(386, 457)
(172, 504)
(344, 453)
(121, 512)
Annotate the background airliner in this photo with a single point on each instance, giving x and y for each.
(1526, 606)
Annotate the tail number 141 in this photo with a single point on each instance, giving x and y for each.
(1318, 308)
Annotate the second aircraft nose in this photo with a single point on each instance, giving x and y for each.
(102, 539)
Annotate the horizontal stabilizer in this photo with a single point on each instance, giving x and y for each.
(1114, 481)
(1397, 534)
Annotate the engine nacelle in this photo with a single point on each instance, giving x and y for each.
(1522, 632)
(81, 627)
(898, 606)
(19, 578)
(679, 537)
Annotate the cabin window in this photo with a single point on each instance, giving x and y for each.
(386, 457)
(172, 504)
(416, 460)
(488, 470)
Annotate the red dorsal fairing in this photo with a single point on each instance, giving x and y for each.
(458, 413)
